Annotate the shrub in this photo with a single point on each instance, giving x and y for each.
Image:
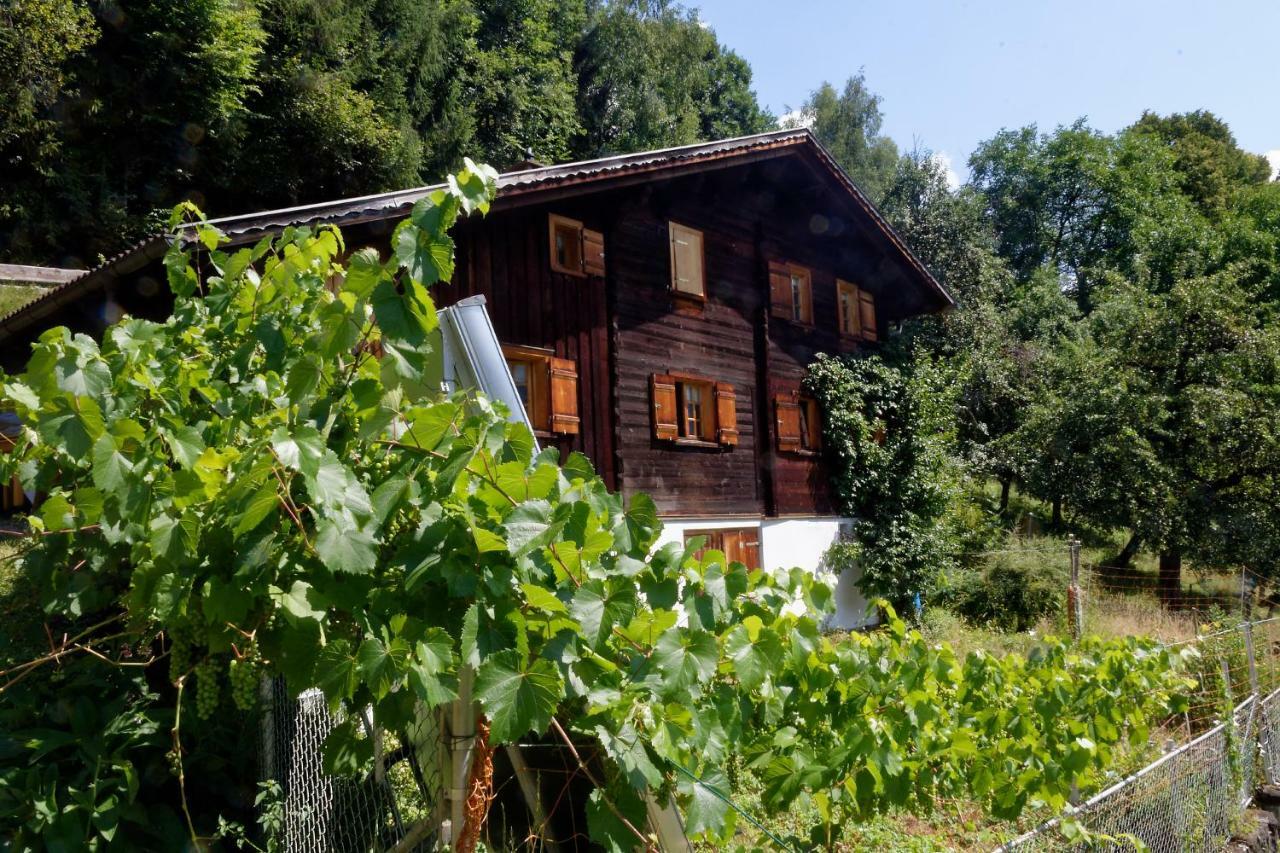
(1011, 592)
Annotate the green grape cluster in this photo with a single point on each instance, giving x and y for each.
(243, 675)
(185, 634)
(206, 688)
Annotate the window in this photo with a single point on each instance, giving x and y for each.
(739, 544)
(867, 315)
(687, 261)
(798, 423)
(857, 311)
(791, 292)
(693, 410)
(847, 297)
(693, 422)
(810, 425)
(547, 386)
(574, 249)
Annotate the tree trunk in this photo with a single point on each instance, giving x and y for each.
(1170, 576)
(1004, 495)
(1057, 513)
(1124, 559)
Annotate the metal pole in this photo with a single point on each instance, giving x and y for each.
(1074, 603)
(1253, 665)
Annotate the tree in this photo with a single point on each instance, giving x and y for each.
(1083, 203)
(1213, 168)
(651, 75)
(1156, 419)
(522, 79)
(162, 84)
(848, 124)
(887, 430)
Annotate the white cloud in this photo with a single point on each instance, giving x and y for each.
(795, 118)
(943, 159)
(1273, 157)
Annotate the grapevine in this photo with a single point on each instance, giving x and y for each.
(243, 674)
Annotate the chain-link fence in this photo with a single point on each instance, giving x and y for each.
(396, 805)
(1190, 798)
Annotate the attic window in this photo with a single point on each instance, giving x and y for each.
(857, 311)
(566, 245)
(791, 292)
(687, 266)
(575, 250)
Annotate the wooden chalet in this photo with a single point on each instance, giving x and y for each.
(658, 311)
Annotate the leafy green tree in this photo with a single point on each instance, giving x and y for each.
(163, 83)
(1213, 168)
(361, 96)
(651, 75)
(36, 40)
(946, 229)
(523, 81)
(1158, 419)
(1084, 203)
(848, 123)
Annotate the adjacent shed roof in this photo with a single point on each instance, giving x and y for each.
(583, 176)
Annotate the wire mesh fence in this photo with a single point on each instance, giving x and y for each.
(1190, 798)
(395, 805)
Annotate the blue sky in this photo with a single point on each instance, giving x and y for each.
(953, 73)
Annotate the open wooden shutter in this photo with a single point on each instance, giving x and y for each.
(787, 419)
(664, 407)
(779, 290)
(592, 252)
(867, 315)
(726, 414)
(564, 396)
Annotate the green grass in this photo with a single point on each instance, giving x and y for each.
(21, 631)
(14, 296)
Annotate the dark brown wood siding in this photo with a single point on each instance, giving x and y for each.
(506, 258)
(657, 332)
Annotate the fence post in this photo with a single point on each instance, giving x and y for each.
(1075, 607)
(1253, 663)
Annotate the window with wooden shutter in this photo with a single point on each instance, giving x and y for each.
(791, 292)
(548, 388)
(867, 315)
(801, 288)
(665, 411)
(592, 252)
(694, 410)
(787, 422)
(688, 274)
(726, 414)
(564, 396)
(566, 244)
(850, 309)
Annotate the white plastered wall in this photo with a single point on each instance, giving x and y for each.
(787, 543)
